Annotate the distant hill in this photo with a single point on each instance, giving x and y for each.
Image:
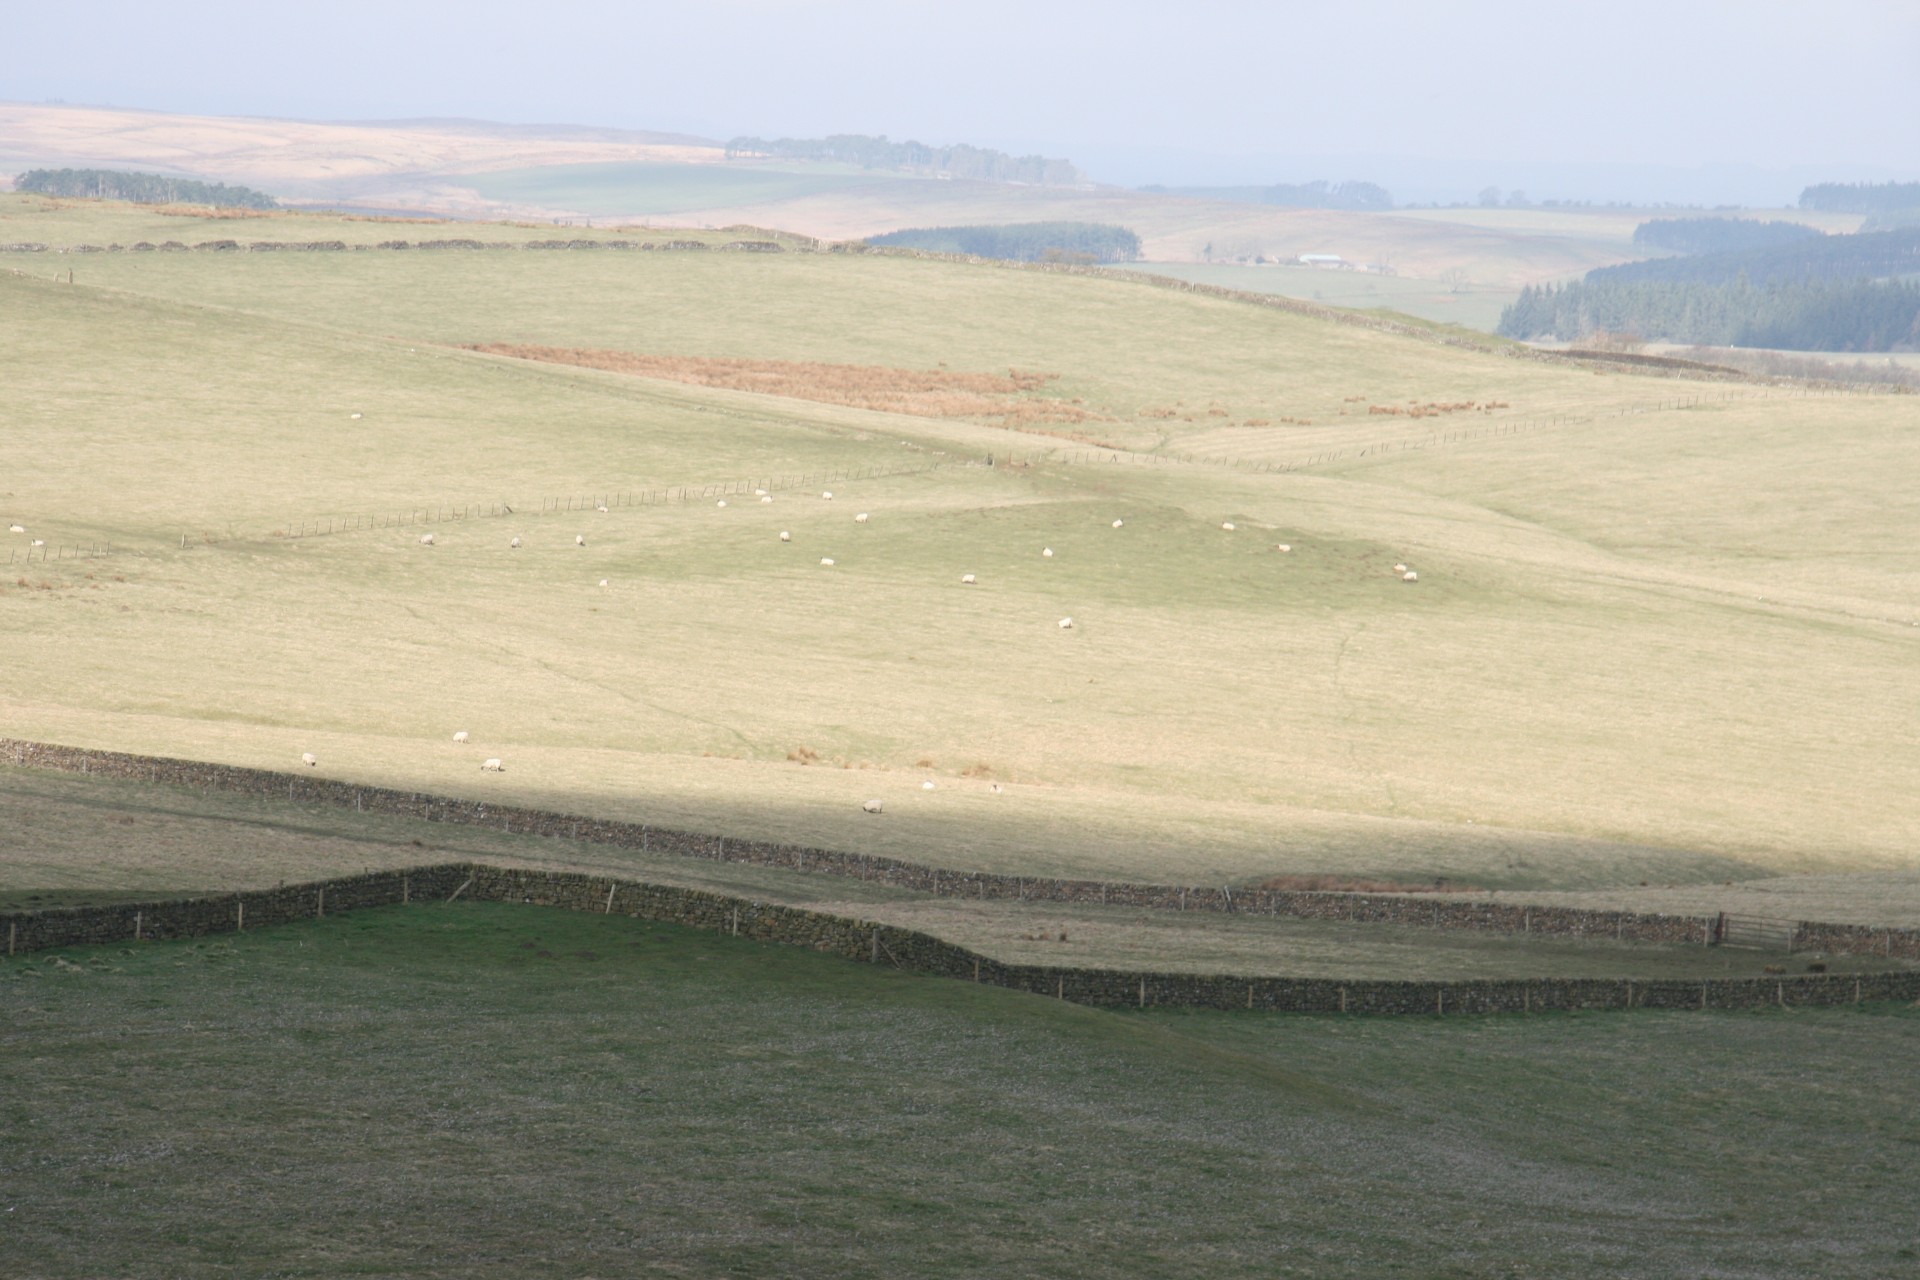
(1024, 242)
(870, 152)
(140, 188)
(1718, 235)
(1861, 197)
(1297, 195)
(1874, 255)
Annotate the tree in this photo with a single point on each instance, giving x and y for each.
(1489, 197)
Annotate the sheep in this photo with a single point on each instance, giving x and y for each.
(995, 787)
(1046, 553)
(354, 416)
(785, 536)
(1066, 624)
(1119, 523)
(1410, 576)
(723, 502)
(1283, 546)
(307, 759)
(871, 806)
(1399, 568)
(759, 493)
(602, 508)
(460, 736)
(767, 498)
(966, 579)
(492, 765)
(18, 528)
(579, 540)
(828, 495)
(426, 539)
(827, 562)
(603, 584)
(39, 542)
(861, 518)
(927, 785)
(515, 544)
(1227, 525)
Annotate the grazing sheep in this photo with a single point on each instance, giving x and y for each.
(861, 518)
(1119, 523)
(828, 496)
(723, 502)
(307, 758)
(1227, 525)
(426, 539)
(1046, 553)
(966, 579)
(602, 509)
(18, 528)
(927, 785)
(1399, 568)
(995, 787)
(871, 806)
(515, 544)
(825, 561)
(579, 540)
(1410, 576)
(785, 536)
(1283, 546)
(39, 542)
(603, 583)
(354, 416)
(460, 736)
(1066, 624)
(493, 766)
(768, 498)
(759, 493)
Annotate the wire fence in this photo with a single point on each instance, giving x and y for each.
(43, 554)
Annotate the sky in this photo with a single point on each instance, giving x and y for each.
(1699, 101)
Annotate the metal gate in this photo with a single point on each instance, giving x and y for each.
(1763, 933)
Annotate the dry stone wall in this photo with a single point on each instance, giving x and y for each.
(867, 942)
(1359, 908)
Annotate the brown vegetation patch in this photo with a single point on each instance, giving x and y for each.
(927, 393)
(1432, 409)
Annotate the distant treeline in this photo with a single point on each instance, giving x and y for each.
(1874, 255)
(141, 188)
(960, 160)
(1024, 241)
(1862, 197)
(1812, 315)
(1298, 195)
(1717, 235)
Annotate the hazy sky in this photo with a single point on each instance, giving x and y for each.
(1414, 93)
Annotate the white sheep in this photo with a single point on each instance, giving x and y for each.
(1119, 524)
(723, 502)
(966, 579)
(602, 508)
(861, 518)
(871, 806)
(1399, 568)
(493, 765)
(460, 736)
(767, 498)
(785, 536)
(39, 542)
(354, 416)
(927, 785)
(603, 584)
(1066, 624)
(827, 562)
(579, 540)
(18, 528)
(1046, 553)
(1227, 525)
(307, 758)
(515, 544)
(426, 539)
(828, 495)
(1410, 576)
(995, 787)
(759, 493)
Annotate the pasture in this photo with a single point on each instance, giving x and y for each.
(1660, 633)
(485, 1090)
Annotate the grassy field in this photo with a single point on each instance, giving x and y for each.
(657, 190)
(1649, 643)
(1471, 306)
(483, 1090)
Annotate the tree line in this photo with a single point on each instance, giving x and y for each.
(1799, 315)
(1024, 241)
(140, 188)
(1869, 255)
(1862, 197)
(870, 152)
(1319, 194)
(1717, 235)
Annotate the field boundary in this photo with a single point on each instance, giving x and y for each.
(867, 942)
(1359, 908)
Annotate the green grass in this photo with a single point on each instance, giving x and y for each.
(1473, 307)
(486, 1090)
(1667, 646)
(662, 190)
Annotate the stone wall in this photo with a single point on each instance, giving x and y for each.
(864, 941)
(1361, 908)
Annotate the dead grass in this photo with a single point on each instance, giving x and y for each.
(924, 393)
